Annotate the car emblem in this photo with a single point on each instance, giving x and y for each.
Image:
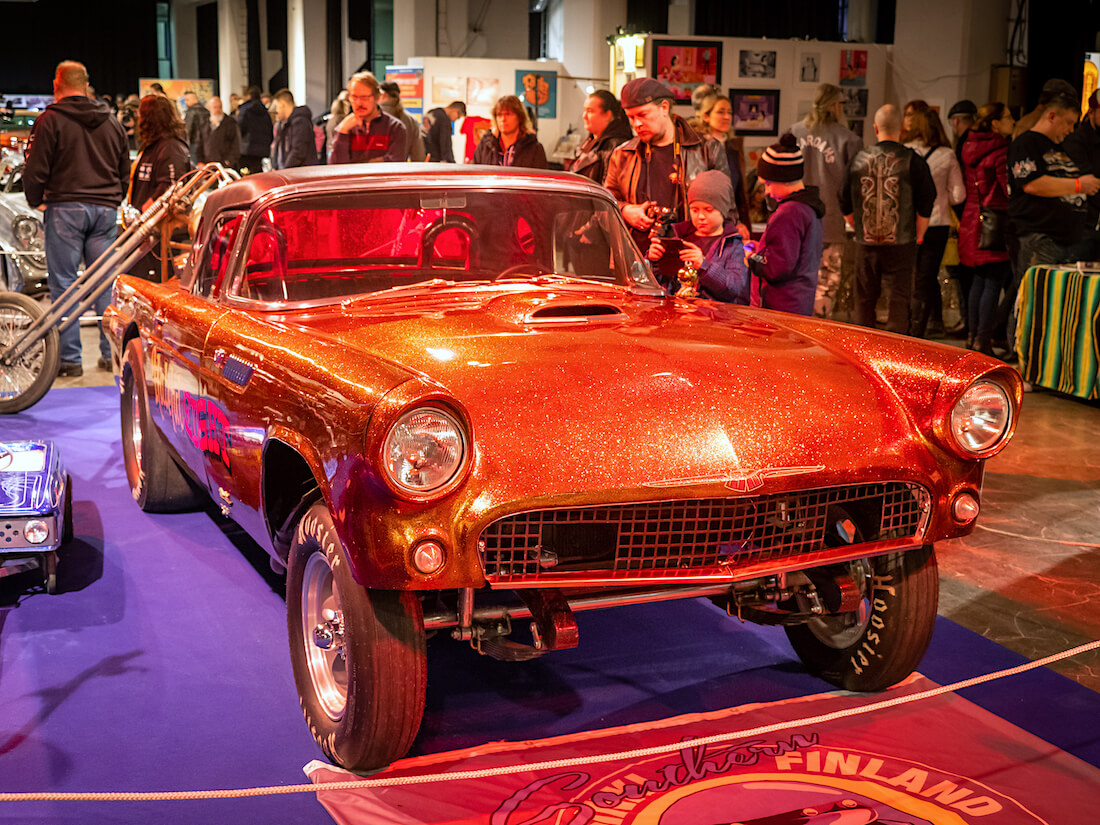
(741, 481)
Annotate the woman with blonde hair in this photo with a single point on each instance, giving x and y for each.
(926, 137)
(511, 141)
(716, 115)
(828, 147)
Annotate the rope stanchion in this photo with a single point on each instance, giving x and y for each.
(637, 753)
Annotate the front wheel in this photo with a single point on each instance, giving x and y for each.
(25, 380)
(358, 654)
(883, 641)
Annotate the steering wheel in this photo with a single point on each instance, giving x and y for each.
(533, 270)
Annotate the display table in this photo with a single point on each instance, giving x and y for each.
(1058, 330)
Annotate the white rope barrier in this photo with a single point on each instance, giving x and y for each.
(637, 753)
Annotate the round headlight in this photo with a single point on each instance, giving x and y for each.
(36, 531)
(24, 229)
(424, 450)
(981, 417)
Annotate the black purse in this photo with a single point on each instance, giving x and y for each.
(994, 224)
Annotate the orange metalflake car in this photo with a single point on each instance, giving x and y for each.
(455, 398)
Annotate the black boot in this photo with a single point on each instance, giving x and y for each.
(970, 342)
(984, 346)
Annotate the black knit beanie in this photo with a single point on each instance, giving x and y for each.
(781, 162)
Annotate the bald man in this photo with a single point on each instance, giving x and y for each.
(887, 198)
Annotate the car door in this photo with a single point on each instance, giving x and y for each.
(237, 407)
(177, 333)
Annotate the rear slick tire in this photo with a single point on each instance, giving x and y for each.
(24, 382)
(363, 695)
(883, 642)
(157, 483)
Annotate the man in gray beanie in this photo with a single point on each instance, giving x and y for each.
(785, 266)
(653, 170)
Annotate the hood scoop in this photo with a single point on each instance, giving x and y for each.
(575, 313)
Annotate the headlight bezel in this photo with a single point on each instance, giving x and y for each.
(460, 426)
(979, 386)
(25, 229)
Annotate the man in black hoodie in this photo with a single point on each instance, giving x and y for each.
(294, 143)
(77, 162)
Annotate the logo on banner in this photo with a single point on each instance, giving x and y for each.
(794, 781)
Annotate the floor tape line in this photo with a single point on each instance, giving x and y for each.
(166, 796)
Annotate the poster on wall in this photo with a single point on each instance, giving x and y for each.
(853, 67)
(446, 90)
(482, 91)
(684, 64)
(809, 67)
(539, 90)
(175, 87)
(753, 63)
(410, 79)
(1090, 81)
(755, 111)
(855, 103)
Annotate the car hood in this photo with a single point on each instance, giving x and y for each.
(595, 389)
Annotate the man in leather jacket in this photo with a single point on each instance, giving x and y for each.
(887, 199)
(653, 170)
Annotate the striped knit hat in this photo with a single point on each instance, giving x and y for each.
(781, 162)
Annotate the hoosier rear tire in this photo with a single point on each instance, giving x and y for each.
(886, 639)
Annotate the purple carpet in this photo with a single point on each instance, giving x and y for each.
(162, 662)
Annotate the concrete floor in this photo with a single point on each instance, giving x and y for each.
(1029, 576)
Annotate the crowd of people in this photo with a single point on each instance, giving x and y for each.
(1018, 190)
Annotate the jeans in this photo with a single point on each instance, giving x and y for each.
(75, 231)
(927, 303)
(828, 279)
(1034, 250)
(890, 267)
(982, 304)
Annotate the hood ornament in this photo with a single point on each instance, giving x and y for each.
(741, 480)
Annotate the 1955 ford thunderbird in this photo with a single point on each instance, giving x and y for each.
(455, 398)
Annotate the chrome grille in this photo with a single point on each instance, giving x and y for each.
(670, 538)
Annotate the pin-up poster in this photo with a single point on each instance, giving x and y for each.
(853, 67)
(539, 90)
(410, 79)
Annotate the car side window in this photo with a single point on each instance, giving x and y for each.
(210, 276)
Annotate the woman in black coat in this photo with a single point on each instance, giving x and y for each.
(511, 142)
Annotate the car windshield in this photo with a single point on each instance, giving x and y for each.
(333, 246)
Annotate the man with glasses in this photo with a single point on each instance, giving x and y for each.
(367, 135)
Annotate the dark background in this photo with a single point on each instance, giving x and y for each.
(117, 40)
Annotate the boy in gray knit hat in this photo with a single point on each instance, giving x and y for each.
(708, 241)
(785, 266)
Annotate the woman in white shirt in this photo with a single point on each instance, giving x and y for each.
(924, 134)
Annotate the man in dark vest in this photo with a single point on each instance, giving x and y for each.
(887, 199)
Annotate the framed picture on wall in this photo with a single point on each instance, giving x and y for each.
(684, 64)
(755, 111)
(855, 103)
(754, 63)
(809, 67)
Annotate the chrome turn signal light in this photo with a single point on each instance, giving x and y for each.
(965, 508)
(428, 557)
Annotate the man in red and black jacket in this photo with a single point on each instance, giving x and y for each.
(367, 135)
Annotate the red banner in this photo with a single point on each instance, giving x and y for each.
(940, 761)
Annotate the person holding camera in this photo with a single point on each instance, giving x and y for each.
(708, 246)
(652, 171)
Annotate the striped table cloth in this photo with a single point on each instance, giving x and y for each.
(1058, 330)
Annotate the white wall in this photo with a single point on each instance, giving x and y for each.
(306, 53)
(794, 96)
(943, 49)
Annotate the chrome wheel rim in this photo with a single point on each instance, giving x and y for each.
(327, 668)
(16, 379)
(136, 436)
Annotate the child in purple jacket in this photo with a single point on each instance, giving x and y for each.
(785, 266)
(709, 242)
